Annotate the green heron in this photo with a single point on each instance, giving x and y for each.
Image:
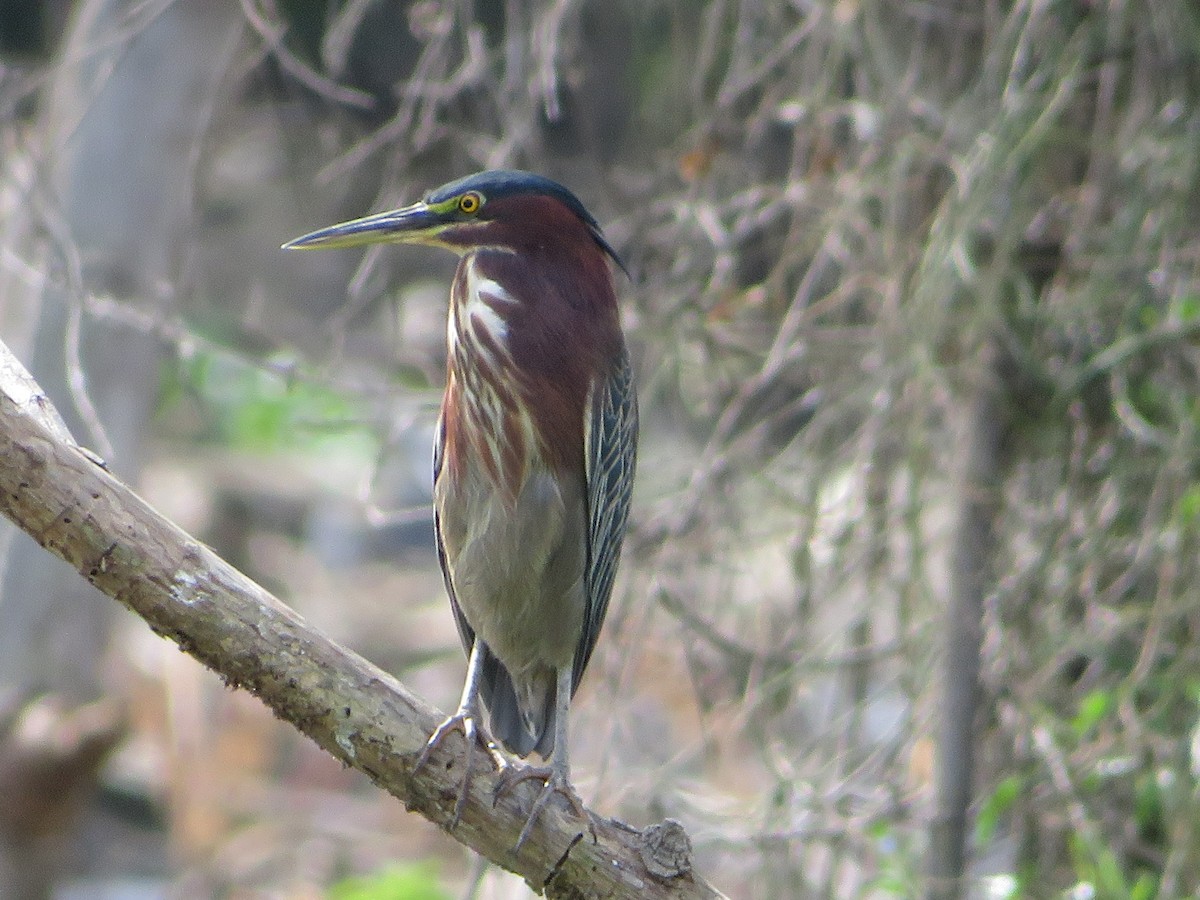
(534, 454)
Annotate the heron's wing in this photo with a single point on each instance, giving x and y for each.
(610, 454)
(465, 632)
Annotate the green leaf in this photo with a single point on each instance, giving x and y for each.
(996, 806)
(1092, 710)
(1187, 307)
(1188, 506)
(892, 884)
(1109, 874)
(408, 882)
(1145, 888)
(879, 829)
(1148, 804)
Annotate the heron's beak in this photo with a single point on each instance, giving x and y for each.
(412, 225)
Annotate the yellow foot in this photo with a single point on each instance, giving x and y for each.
(553, 782)
(463, 721)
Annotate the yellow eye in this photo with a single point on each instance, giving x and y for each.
(469, 203)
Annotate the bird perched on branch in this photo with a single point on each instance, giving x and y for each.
(534, 455)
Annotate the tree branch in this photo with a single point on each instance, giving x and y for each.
(66, 499)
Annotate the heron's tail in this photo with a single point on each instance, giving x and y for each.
(521, 717)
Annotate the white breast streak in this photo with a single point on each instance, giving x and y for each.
(483, 310)
(476, 330)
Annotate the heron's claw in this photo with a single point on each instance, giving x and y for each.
(554, 781)
(464, 721)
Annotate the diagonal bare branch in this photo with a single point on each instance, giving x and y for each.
(73, 506)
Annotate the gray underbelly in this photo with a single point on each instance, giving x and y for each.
(518, 572)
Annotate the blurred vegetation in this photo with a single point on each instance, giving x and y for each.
(261, 407)
(417, 882)
(846, 222)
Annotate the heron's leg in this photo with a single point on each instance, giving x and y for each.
(555, 778)
(466, 720)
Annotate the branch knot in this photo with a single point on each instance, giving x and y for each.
(665, 849)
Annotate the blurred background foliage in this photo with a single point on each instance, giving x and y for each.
(915, 304)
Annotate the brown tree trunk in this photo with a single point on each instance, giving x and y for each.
(971, 569)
